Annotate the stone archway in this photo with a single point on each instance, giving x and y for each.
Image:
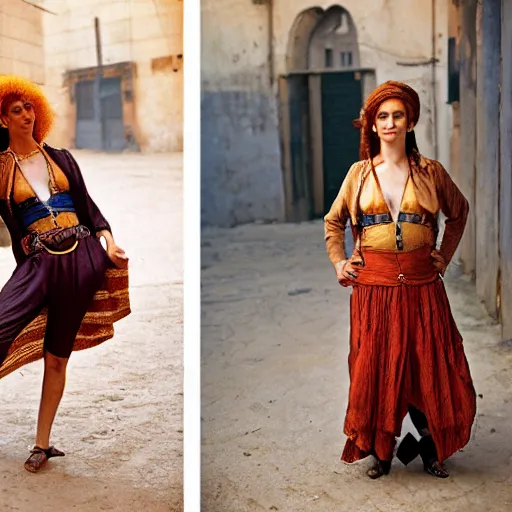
(323, 39)
(319, 96)
(300, 36)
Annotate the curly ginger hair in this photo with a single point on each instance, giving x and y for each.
(15, 88)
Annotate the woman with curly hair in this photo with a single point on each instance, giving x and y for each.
(67, 290)
(406, 354)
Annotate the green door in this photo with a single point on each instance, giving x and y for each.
(341, 102)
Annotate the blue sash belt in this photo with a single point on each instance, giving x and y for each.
(33, 209)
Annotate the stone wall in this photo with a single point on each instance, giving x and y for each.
(241, 168)
(21, 40)
(505, 212)
(21, 52)
(484, 150)
(488, 74)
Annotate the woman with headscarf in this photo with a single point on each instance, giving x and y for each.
(406, 354)
(67, 290)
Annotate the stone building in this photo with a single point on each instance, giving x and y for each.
(281, 82)
(21, 40)
(481, 146)
(21, 51)
(137, 102)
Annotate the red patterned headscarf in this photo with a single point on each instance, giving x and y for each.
(370, 142)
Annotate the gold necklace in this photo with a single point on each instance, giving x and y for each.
(27, 156)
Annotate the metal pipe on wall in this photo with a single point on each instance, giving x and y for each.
(434, 79)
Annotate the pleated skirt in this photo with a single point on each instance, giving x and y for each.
(404, 349)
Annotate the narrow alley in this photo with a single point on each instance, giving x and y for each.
(275, 386)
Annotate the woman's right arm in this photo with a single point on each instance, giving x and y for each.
(336, 219)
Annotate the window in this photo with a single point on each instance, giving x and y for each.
(328, 58)
(346, 59)
(453, 71)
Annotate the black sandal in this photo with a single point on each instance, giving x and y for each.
(380, 468)
(437, 469)
(428, 454)
(39, 457)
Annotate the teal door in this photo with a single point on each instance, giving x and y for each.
(341, 102)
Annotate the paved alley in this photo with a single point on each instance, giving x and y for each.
(275, 385)
(120, 421)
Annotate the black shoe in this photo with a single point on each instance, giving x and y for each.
(428, 454)
(408, 449)
(381, 467)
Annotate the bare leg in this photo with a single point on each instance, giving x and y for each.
(53, 387)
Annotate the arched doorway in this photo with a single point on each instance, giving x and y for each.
(320, 95)
(322, 39)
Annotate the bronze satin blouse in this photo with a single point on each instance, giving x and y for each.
(429, 189)
(23, 191)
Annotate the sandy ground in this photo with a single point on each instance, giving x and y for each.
(275, 384)
(120, 421)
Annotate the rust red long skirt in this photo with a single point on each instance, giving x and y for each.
(404, 349)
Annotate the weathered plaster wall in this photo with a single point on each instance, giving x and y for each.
(241, 161)
(487, 177)
(505, 213)
(21, 40)
(241, 168)
(468, 78)
(485, 150)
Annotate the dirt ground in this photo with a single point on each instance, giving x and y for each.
(120, 421)
(275, 385)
